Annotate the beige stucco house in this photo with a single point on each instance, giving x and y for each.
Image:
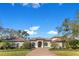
(46, 43)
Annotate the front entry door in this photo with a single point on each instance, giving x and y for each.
(39, 44)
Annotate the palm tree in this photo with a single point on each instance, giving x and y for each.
(25, 34)
(22, 34)
(64, 28)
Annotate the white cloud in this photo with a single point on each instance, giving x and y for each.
(24, 4)
(52, 32)
(34, 28)
(35, 5)
(31, 32)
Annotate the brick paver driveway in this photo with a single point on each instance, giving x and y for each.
(41, 52)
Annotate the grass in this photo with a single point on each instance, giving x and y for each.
(66, 52)
(14, 52)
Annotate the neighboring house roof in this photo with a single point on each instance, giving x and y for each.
(17, 40)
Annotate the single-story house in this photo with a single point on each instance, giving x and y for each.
(46, 43)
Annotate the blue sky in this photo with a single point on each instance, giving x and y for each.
(40, 20)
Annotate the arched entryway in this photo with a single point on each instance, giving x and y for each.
(39, 44)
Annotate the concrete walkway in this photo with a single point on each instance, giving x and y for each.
(41, 52)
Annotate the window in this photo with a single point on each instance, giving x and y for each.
(45, 44)
(33, 45)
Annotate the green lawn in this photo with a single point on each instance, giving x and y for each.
(66, 53)
(14, 52)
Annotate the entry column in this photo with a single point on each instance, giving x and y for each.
(42, 44)
(36, 44)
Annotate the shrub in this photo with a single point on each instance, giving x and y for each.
(55, 46)
(74, 44)
(12, 45)
(4, 45)
(67, 45)
(26, 45)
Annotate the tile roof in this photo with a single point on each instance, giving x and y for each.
(17, 40)
(34, 39)
(57, 39)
